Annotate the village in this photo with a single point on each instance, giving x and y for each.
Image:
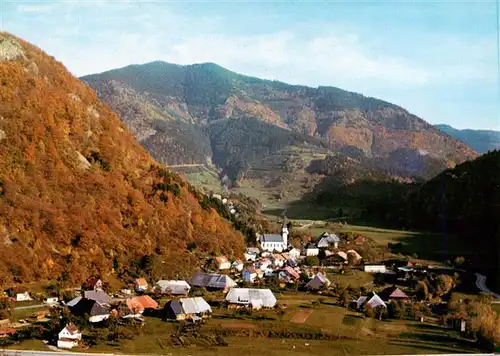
(276, 281)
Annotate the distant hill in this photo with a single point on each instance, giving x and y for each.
(197, 114)
(79, 195)
(480, 140)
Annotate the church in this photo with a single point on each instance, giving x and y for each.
(275, 242)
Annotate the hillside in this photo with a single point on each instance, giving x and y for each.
(78, 193)
(480, 140)
(206, 94)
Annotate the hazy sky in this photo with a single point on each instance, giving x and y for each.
(439, 60)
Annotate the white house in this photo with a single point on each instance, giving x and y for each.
(371, 299)
(278, 260)
(255, 298)
(22, 297)
(69, 337)
(312, 250)
(251, 253)
(237, 265)
(375, 268)
(51, 300)
(275, 242)
(294, 253)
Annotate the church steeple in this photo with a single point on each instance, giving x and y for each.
(284, 231)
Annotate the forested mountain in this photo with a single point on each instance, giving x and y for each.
(78, 194)
(207, 95)
(480, 140)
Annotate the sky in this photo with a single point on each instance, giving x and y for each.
(437, 59)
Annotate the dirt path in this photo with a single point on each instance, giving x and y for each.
(301, 316)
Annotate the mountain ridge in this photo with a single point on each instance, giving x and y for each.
(201, 96)
(481, 140)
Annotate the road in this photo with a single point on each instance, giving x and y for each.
(4, 352)
(32, 306)
(481, 284)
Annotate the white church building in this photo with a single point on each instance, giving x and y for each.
(274, 242)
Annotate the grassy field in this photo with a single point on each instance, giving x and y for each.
(348, 333)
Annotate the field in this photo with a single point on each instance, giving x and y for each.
(344, 332)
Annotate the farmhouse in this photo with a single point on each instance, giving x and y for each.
(212, 281)
(92, 283)
(288, 274)
(172, 287)
(254, 298)
(318, 282)
(187, 309)
(69, 337)
(375, 268)
(95, 310)
(371, 299)
(6, 332)
(326, 240)
(140, 285)
(22, 297)
(134, 307)
(97, 295)
(393, 294)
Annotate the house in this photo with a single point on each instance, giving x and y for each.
(318, 282)
(172, 287)
(140, 285)
(359, 240)
(212, 281)
(237, 265)
(275, 242)
(22, 297)
(6, 332)
(263, 263)
(355, 256)
(250, 274)
(69, 337)
(278, 260)
(326, 240)
(374, 268)
(251, 253)
(51, 300)
(97, 295)
(92, 283)
(193, 309)
(311, 250)
(294, 253)
(134, 307)
(371, 299)
(254, 298)
(95, 310)
(393, 294)
(222, 263)
(288, 274)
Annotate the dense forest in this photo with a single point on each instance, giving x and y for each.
(464, 200)
(78, 194)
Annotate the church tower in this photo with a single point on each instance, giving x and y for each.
(284, 232)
